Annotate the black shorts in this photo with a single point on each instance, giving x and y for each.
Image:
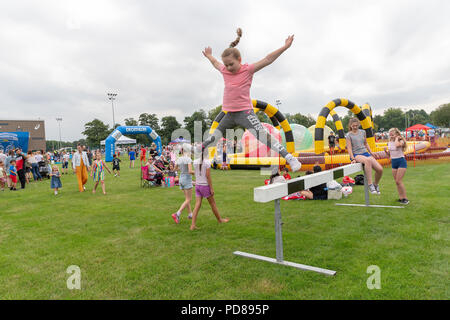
(116, 168)
(320, 197)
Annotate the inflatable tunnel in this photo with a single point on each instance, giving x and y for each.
(364, 119)
(110, 142)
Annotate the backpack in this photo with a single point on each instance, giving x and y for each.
(359, 179)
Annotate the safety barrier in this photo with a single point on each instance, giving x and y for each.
(276, 191)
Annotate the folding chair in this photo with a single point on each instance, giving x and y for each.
(146, 181)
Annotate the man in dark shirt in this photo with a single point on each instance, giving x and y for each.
(331, 142)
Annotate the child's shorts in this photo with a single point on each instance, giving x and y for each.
(13, 179)
(65, 165)
(185, 181)
(203, 191)
(399, 163)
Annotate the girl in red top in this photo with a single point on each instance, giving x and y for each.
(236, 98)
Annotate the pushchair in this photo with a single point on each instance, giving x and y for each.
(43, 170)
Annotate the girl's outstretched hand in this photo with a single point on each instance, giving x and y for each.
(289, 41)
(207, 51)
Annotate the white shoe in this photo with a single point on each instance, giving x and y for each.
(293, 163)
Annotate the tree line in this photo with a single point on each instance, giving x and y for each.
(96, 130)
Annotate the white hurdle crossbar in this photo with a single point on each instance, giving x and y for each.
(276, 191)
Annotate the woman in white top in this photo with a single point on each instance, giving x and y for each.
(396, 147)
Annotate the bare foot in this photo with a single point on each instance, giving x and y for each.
(193, 227)
(224, 220)
(104, 193)
(93, 191)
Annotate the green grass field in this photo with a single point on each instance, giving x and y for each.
(128, 247)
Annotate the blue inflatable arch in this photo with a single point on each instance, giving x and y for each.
(110, 142)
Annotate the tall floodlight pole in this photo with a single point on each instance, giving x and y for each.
(112, 97)
(59, 123)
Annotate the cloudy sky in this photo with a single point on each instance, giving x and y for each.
(59, 58)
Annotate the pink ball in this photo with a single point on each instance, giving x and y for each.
(254, 148)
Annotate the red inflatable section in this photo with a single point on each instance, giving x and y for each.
(254, 148)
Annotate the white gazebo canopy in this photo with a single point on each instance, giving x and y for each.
(122, 140)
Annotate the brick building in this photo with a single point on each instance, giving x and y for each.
(36, 128)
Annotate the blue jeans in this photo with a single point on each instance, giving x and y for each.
(35, 171)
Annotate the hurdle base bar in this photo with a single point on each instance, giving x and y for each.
(286, 263)
(367, 205)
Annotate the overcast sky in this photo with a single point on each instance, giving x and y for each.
(59, 58)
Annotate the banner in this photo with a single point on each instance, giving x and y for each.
(12, 140)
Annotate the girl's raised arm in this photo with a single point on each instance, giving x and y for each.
(208, 54)
(271, 57)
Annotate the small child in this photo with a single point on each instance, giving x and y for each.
(98, 172)
(172, 175)
(2, 175)
(204, 189)
(55, 183)
(13, 175)
(116, 165)
(286, 174)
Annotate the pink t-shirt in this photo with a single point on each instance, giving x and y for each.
(396, 152)
(236, 95)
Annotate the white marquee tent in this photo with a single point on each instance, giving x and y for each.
(121, 140)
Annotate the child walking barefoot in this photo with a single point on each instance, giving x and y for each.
(98, 172)
(184, 164)
(204, 189)
(236, 98)
(397, 145)
(55, 183)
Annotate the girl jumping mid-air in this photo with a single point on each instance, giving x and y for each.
(236, 97)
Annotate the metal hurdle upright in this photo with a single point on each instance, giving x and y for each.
(276, 191)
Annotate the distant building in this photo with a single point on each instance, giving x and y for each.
(36, 128)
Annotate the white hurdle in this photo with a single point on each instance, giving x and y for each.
(276, 191)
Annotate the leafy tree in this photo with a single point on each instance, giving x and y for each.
(441, 116)
(212, 114)
(168, 125)
(196, 116)
(151, 120)
(131, 122)
(95, 131)
(394, 118)
(417, 116)
(299, 118)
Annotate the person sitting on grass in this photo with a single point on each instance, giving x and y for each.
(318, 192)
(276, 176)
(286, 174)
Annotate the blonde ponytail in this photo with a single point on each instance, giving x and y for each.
(232, 50)
(239, 35)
